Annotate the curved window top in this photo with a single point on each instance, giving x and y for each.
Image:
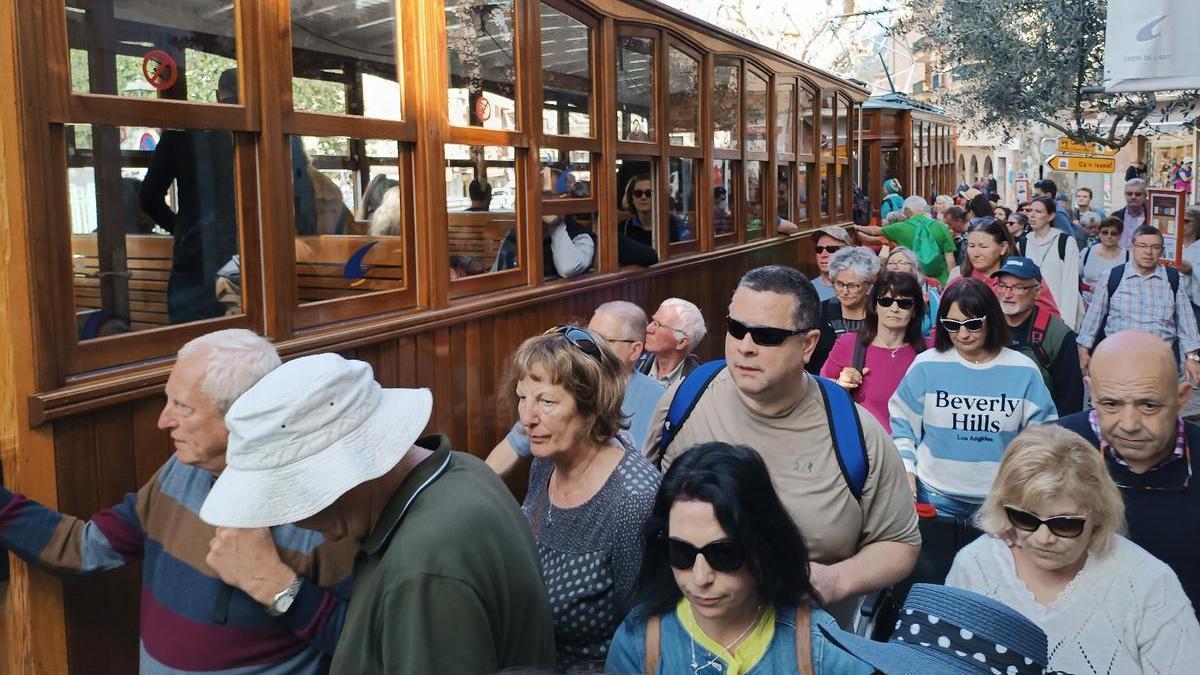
(683, 98)
(726, 103)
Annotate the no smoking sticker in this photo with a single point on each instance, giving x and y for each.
(159, 69)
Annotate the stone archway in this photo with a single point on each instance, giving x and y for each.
(974, 169)
(962, 169)
(987, 167)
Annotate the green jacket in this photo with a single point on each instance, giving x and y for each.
(904, 233)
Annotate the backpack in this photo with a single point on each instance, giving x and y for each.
(1043, 332)
(926, 248)
(894, 201)
(1062, 245)
(844, 425)
(862, 207)
(1115, 275)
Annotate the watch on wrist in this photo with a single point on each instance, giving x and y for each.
(283, 600)
(1193, 356)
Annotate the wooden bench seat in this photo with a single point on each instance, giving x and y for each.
(148, 261)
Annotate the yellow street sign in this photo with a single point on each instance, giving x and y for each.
(1082, 164)
(1070, 147)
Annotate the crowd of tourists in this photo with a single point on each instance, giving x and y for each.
(736, 516)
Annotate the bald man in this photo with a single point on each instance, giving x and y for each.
(1147, 446)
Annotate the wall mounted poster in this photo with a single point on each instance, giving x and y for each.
(1166, 213)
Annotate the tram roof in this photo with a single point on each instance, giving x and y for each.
(897, 101)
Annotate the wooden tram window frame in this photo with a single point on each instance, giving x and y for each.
(809, 160)
(694, 152)
(781, 158)
(738, 234)
(766, 176)
(846, 190)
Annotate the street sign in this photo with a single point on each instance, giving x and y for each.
(1067, 146)
(1022, 189)
(1082, 164)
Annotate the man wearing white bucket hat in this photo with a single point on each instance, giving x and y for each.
(448, 579)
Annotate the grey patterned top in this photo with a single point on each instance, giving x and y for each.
(591, 555)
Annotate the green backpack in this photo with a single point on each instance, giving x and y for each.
(925, 247)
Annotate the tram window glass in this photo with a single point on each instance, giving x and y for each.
(565, 175)
(681, 197)
(637, 202)
(784, 120)
(724, 196)
(568, 246)
(754, 199)
(482, 66)
(481, 205)
(635, 89)
(843, 126)
(839, 192)
(726, 102)
(803, 171)
(344, 58)
(806, 121)
(683, 98)
(826, 172)
(827, 111)
(756, 114)
(176, 50)
(783, 192)
(566, 74)
(154, 227)
(348, 197)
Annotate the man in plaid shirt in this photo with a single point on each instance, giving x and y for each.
(1148, 298)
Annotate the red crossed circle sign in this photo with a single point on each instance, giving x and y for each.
(483, 108)
(159, 69)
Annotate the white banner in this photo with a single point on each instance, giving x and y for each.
(1150, 45)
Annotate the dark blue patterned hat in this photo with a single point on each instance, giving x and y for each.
(949, 630)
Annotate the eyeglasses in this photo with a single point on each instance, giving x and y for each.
(763, 336)
(642, 193)
(827, 249)
(1015, 288)
(578, 337)
(658, 324)
(722, 556)
(843, 286)
(1067, 527)
(902, 303)
(972, 325)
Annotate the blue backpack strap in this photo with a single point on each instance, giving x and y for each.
(846, 432)
(684, 400)
(1173, 279)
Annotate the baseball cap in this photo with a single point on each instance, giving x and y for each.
(1019, 266)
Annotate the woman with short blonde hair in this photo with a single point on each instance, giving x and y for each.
(1054, 553)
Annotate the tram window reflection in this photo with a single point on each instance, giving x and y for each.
(174, 50)
(681, 198)
(785, 123)
(344, 58)
(756, 114)
(827, 130)
(803, 171)
(724, 196)
(783, 193)
(726, 102)
(635, 89)
(826, 171)
(805, 110)
(754, 199)
(154, 226)
(482, 65)
(639, 199)
(566, 74)
(843, 126)
(683, 98)
(481, 205)
(565, 175)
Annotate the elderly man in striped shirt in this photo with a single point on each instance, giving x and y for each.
(1147, 296)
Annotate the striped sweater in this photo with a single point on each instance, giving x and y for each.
(952, 419)
(191, 622)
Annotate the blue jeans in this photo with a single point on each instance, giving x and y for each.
(945, 504)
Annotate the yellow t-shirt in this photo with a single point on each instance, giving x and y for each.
(749, 652)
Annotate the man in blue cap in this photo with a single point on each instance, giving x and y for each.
(1044, 338)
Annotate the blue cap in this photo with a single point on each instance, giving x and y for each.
(1019, 266)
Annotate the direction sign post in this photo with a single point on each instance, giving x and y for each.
(1088, 164)
(1067, 146)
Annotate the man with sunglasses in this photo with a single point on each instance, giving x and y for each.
(764, 399)
(1147, 447)
(826, 242)
(1046, 339)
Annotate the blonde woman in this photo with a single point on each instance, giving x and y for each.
(1055, 554)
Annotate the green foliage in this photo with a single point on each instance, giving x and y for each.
(1037, 61)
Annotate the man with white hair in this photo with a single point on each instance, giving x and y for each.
(929, 239)
(448, 578)
(213, 600)
(1133, 214)
(671, 336)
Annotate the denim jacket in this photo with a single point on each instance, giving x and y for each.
(627, 654)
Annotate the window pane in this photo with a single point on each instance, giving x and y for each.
(481, 205)
(838, 192)
(726, 99)
(479, 42)
(682, 174)
(783, 193)
(638, 190)
(756, 114)
(724, 180)
(754, 199)
(826, 175)
(153, 50)
(843, 125)
(344, 58)
(784, 121)
(802, 173)
(350, 216)
(827, 110)
(635, 89)
(566, 174)
(154, 227)
(568, 245)
(566, 74)
(806, 122)
(683, 100)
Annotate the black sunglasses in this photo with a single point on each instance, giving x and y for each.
(578, 337)
(763, 336)
(722, 556)
(902, 303)
(973, 325)
(642, 193)
(828, 249)
(1067, 527)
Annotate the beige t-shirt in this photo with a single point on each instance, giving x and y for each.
(798, 450)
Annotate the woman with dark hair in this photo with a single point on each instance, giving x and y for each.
(1018, 224)
(988, 244)
(962, 403)
(1099, 258)
(871, 361)
(724, 586)
(635, 234)
(1056, 254)
(1001, 213)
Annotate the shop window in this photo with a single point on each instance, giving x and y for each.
(754, 199)
(683, 98)
(726, 103)
(481, 205)
(784, 119)
(482, 64)
(566, 74)
(724, 197)
(756, 115)
(682, 173)
(635, 89)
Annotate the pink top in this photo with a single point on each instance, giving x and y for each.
(885, 371)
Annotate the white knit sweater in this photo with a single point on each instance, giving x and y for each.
(1125, 613)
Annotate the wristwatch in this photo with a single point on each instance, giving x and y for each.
(283, 600)
(1193, 356)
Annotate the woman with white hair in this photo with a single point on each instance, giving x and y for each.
(901, 259)
(853, 270)
(1053, 552)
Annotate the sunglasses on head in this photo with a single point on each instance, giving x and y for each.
(642, 193)
(763, 336)
(722, 556)
(972, 325)
(902, 303)
(578, 337)
(828, 249)
(1067, 527)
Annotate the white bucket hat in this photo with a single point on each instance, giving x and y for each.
(306, 434)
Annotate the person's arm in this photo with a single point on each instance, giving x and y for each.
(572, 255)
(875, 566)
(510, 451)
(1189, 339)
(1067, 377)
(650, 448)
(632, 252)
(785, 226)
(869, 230)
(159, 177)
(1086, 339)
(1168, 634)
(1069, 306)
(906, 409)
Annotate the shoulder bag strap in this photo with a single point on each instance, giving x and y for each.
(653, 633)
(803, 641)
